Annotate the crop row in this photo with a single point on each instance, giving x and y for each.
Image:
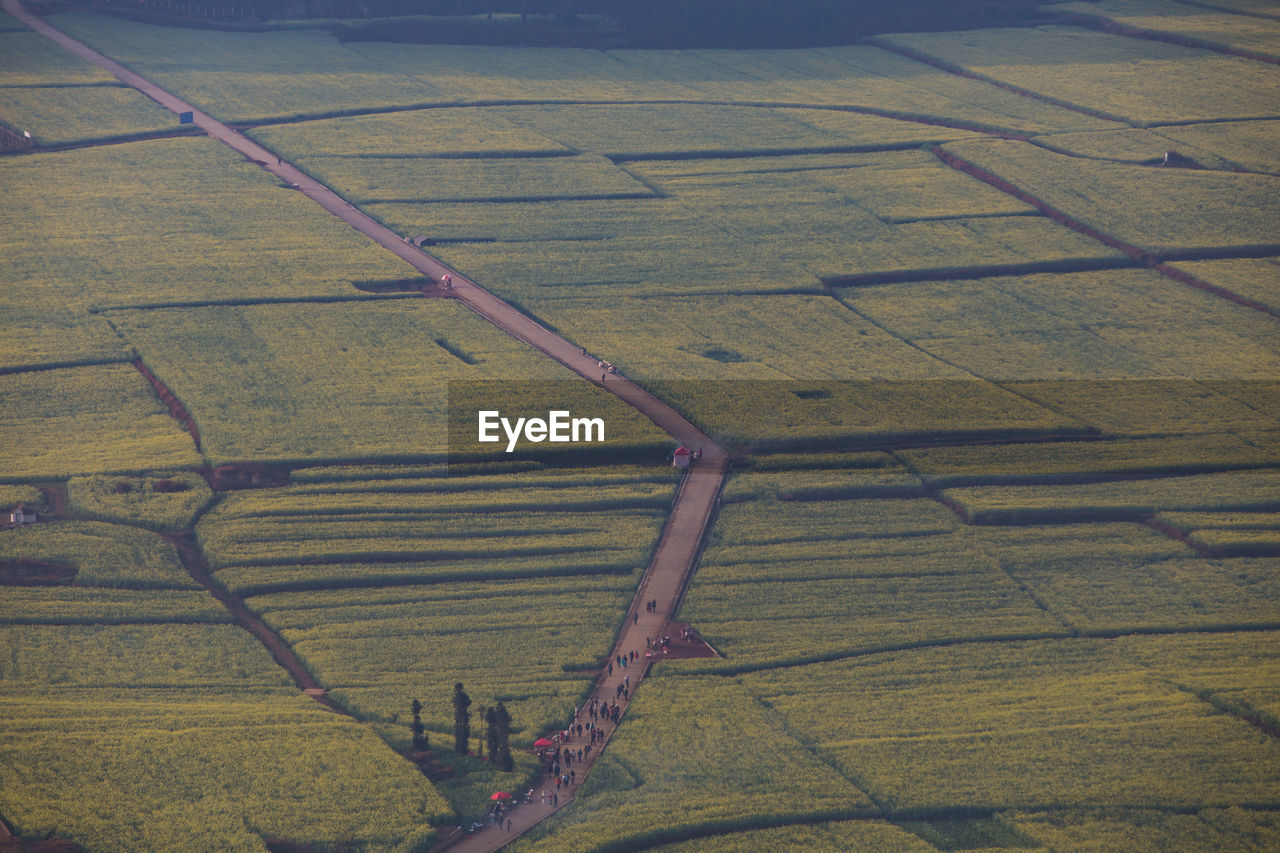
(104, 555)
(1067, 461)
(349, 538)
(1248, 490)
(44, 657)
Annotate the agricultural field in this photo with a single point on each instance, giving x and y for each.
(1105, 331)
(83, 420)
(171, 221)
(1255, 279)
(1198, 209)
(59, 98)
(316, 381)
(251, 76)
(391, 589)
(997, 564)
(1234, 146)
(104, 681)
(94, 761)
(1134, 81)
(1177, 21)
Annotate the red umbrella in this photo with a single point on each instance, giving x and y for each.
(542, 742)
(500, 795)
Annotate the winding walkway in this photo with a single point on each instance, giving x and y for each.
(691, 512)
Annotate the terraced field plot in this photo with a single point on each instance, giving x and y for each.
(58, 99)
(399, 588)
(1256, 279)
(1184, 21)
(1131, 80)
(104, 681)
(1129, 325)
(251, 76)
(361, 380)
(211, 228)
(85, 420)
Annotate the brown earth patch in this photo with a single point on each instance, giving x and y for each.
(284, 845)
(248, 475)
(49, 845)
(176, 410)
(35, 573)
(684, 643)
(425, 761)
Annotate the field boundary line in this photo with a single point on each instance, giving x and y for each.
(1147, 259)
(961, 71)
(1110, 26)
(732, 671)
(194, 561)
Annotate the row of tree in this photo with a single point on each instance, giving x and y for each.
(497, 722)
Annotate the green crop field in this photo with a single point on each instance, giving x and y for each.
(172, 221)
(70, 113)
(396, 588)
(1135, 81)
(997, 565)
(105, 555)
(1204, 23)
(1199, 209)
(319, 381)
(1256, 279)
(59, 423)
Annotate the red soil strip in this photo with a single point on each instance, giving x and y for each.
(685, 643)
(177, 411)
(1179, 536)
(195, 563)
(960, 71)
(954, 507)
(1200, 284)
(1115, 28)
(10, 141)
(35, 573)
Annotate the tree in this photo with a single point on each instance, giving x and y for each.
(420, 741)
(502, 722)
(489, 715)
(461, 719)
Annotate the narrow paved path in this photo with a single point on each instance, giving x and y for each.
(664, 582)
(692, 511)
